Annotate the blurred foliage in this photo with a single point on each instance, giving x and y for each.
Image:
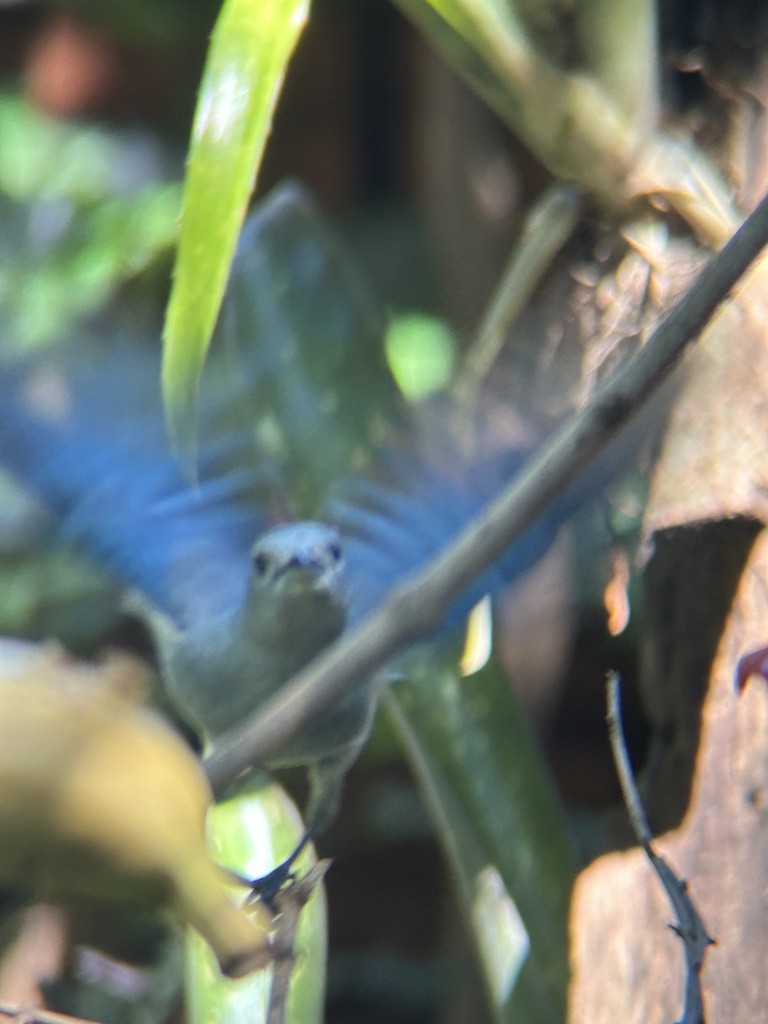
(421, 352)
(88, 222)
(85, 211)
(303, 333)
(564, 113)
(150, 21)
(301, 326)
(99, 988)
(501, 826)
(101, 802)
(48, 591)
(251, 832)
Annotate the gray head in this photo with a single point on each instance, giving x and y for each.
(299, 559)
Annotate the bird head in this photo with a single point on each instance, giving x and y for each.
(300, 561)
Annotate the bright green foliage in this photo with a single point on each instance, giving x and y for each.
(421, 351)
(84, 211)
(250, 833)
(248, 56)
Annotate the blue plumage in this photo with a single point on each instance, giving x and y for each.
(237, 602)
(433, 487)
(89, 439)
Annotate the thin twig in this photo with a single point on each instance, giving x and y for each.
(689, 925)
(290, 902)
(414, 608)
(634, 804)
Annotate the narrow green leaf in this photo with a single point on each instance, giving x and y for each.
(250, 49)
(502, 829)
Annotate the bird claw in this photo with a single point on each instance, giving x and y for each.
(270, 885)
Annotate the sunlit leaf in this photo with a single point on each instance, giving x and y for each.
(251, 833)
(250, 49)
(421, 351)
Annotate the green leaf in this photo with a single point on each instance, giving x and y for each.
(421, 350)
(502, 829)
(250, 48)
(252, 832)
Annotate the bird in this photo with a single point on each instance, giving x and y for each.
(237, 597)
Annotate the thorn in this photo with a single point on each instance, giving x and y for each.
(754, 663)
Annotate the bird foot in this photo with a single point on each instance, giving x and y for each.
(268, 886)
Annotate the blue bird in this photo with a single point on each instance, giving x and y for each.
(236, 600)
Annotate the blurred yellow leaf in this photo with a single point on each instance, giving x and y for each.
(101, 801)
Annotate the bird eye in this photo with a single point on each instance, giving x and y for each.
(261, 563)
(334, 550)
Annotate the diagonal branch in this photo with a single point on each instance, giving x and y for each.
(418, 605)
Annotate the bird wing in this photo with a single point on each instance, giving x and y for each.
(87, 436)
(420, 497)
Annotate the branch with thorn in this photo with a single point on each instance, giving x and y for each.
(689, 925)
(290, 901)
